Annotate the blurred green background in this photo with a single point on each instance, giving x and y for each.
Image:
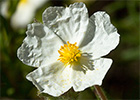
(121, 81)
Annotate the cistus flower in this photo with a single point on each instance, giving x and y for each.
(67, 49)
(25, 12)
(4, 8)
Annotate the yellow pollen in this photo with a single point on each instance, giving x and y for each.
(21, 2)
(69, 53)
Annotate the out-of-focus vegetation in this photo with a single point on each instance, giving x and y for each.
(122, 80)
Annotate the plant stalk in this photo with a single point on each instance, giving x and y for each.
(99, 92)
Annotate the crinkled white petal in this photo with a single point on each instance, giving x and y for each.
(25, 12)
(69, 23)
(40, 47)
(90, 32)
(102, 36)
(54, 79)
(84, 79)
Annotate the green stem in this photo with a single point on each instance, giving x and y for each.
(99, 92)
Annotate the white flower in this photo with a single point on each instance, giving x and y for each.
(4, 8)
(67, 49)
(25, 12)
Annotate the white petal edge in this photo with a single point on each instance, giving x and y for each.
(83, 80)
(53, 79)
(69, 23)
(104, 37)
(40, 47)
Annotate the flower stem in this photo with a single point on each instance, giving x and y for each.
(99, 92)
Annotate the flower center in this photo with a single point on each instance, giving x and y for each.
(69, 53)
(22, 2)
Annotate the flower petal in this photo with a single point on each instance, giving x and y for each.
(25, 12)
(101, 39)
(54, 79)
(69, 23)
(82, 80)
(39, 47)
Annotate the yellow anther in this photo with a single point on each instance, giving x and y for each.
(69, 53)
(22, 2)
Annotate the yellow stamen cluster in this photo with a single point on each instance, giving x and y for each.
(69, 53)
(23, 2)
